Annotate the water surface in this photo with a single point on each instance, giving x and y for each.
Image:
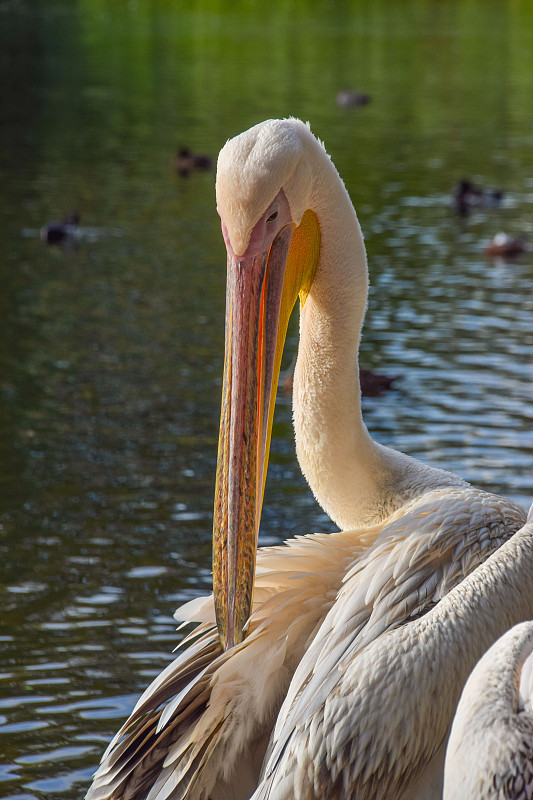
(111, 352)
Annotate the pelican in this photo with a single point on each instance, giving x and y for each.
(490, 749)
(375, 725)
(257, 700)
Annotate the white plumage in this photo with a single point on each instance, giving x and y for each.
(358, 643)
(490, 749)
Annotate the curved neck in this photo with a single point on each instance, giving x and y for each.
(492, 690)
(357, 481)
(342, 464)
(486, 733)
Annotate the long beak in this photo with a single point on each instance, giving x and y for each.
(261, 293)
(251, 371)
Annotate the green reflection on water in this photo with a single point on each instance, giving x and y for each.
(111, 352)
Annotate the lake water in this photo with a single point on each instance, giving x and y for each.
(111, 352)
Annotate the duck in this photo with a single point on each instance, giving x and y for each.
(505, 246)
(468, 197)
(372, 384)
(185, 162)
(347, 98)
(67, 231)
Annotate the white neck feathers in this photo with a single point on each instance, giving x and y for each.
(357, 481)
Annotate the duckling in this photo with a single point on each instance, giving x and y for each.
(186, 162)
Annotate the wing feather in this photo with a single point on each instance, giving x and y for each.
(409, 568)
(203, 724)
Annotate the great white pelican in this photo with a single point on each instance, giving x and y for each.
(335, 671)
(490, 750)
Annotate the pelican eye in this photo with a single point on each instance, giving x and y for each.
(273, 216)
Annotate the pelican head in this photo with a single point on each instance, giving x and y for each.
(264, 185)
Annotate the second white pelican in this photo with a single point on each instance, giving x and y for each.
(490, 749)
(322, 605)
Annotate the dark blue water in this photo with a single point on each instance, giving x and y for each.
(111, 350)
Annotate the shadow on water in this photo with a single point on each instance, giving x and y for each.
(111, 351)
